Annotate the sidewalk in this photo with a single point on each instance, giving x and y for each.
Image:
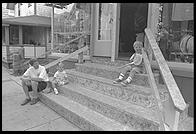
(36, 117)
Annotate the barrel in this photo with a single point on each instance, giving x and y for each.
(187, 44)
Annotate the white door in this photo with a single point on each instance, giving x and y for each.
(103, 29)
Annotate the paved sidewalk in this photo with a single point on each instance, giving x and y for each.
(36, 117)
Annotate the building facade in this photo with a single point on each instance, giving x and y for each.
(6, 13)
(114, 29)
(115, 26)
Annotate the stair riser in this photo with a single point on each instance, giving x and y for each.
(119, 115)
(107, 61)
(139, 79)
(69, 115)
(133, 96)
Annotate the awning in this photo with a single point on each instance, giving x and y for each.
(33, 20)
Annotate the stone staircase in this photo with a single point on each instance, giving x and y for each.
(93, 103)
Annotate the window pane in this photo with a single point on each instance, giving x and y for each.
(177, 38)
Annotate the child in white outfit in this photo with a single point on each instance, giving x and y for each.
(60, 78)
(136, 65)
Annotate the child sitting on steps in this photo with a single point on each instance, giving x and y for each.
(60, 78)
(136, 65)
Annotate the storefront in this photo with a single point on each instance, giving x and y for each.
(31, 33)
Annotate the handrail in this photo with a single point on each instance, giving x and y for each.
(66, 57)
(58, 47)
(69, 33)
(155, 90)
(171, 85)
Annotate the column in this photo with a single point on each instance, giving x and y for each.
(114, 26)
(52, 27)
(92, 31)
(7, 41)
(20, 36)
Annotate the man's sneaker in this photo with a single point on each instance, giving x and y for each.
(25, 102)
(34, 101)
(125, 83)
(117, 81)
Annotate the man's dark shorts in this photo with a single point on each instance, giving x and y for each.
(41, 86)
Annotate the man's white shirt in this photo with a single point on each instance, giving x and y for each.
(37, 73)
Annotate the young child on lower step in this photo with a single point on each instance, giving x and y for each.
(60, 78)
(135, 65)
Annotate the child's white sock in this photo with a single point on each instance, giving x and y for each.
(121, 76)
(129, 79)
(56, 91)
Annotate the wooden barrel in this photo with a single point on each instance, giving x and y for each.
(186, 44)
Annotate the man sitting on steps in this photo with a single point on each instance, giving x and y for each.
(34, 79)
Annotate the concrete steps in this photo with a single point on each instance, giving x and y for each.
(133, 94)
(134, 116)
(92, 102)
(111, 72)
(81, 116)
(92, 111)
(107, 61)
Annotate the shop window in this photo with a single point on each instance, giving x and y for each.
(14, 34)
(177, 41)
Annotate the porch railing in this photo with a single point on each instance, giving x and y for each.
(168, 113)
(81, 48)
(155, 90)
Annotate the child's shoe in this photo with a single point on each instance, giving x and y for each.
(119, 79)
(56, 91)
(116, 81)
(127, 81)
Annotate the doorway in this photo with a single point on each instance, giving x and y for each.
(127, 29)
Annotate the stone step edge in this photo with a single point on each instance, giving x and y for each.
(116, 103)
(95, 119)
(147, 90)
(108, 67)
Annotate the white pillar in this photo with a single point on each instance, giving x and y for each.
(7, 41)
(52, 28)
(114, 30)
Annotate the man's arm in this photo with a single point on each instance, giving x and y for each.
(42, 76)
(26, 75)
